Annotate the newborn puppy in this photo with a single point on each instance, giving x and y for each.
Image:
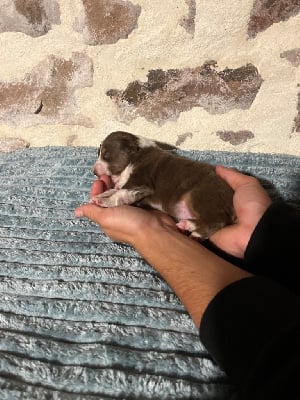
(144, 174)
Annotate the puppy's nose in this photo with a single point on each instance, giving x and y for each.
(95, 171)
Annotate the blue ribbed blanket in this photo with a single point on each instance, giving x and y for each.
(82, 317)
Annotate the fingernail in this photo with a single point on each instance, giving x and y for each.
(78, 213)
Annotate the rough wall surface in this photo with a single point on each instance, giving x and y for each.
(198, 74)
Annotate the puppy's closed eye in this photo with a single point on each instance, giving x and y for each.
(106, 156)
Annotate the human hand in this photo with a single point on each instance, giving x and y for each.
(123, 223)
(250, 202)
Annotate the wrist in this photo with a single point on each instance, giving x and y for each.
(244, 238)
(150, 230)
(194, 273)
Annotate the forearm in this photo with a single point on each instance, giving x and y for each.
(251, 328)
(272, 251)
(194, 273)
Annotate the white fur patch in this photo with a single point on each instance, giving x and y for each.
(196, 235)
(101, 168)
(118, 198)
(156, 206)
(120, 180)
(114, 197)
(144, 142)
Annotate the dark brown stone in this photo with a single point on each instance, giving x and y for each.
(168, 93)
(107, 21)
(296, 127)
(267, 12)
(235, 138)
(293, 56)
(33, 10)
(182, 138)
(47, 93)
(188, 21)
(32, 17)
(71, 139)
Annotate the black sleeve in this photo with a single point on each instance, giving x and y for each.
(252, 329)
(273, 247)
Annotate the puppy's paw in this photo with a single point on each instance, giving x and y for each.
(104, 199)
(187, 225)
(107, 194)
(112, 198)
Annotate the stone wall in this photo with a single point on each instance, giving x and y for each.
(202, 74)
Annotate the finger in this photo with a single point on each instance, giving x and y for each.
(100, 185)
(234, 178)
(106, 181)
(97, 188)
(90, 211)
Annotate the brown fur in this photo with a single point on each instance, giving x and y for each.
(167, 179)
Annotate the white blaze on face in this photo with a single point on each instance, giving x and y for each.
(101, 168)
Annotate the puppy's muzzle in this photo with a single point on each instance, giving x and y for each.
(100, 169)
(96, 171)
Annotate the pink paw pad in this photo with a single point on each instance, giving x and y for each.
(97, 201)
(186, 225)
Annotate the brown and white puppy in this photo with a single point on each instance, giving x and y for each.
(143, 173)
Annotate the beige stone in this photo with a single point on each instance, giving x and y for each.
(178, 35)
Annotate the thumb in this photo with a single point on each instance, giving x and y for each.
(231, 240)
(90, 211)
(234, 178)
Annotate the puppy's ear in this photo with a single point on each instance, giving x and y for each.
(165, 146)
(131, 146)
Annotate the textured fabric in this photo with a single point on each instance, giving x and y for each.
(82, 317)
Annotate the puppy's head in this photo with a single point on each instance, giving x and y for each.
(117, 151)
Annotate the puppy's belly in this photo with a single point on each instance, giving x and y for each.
(182, 212)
